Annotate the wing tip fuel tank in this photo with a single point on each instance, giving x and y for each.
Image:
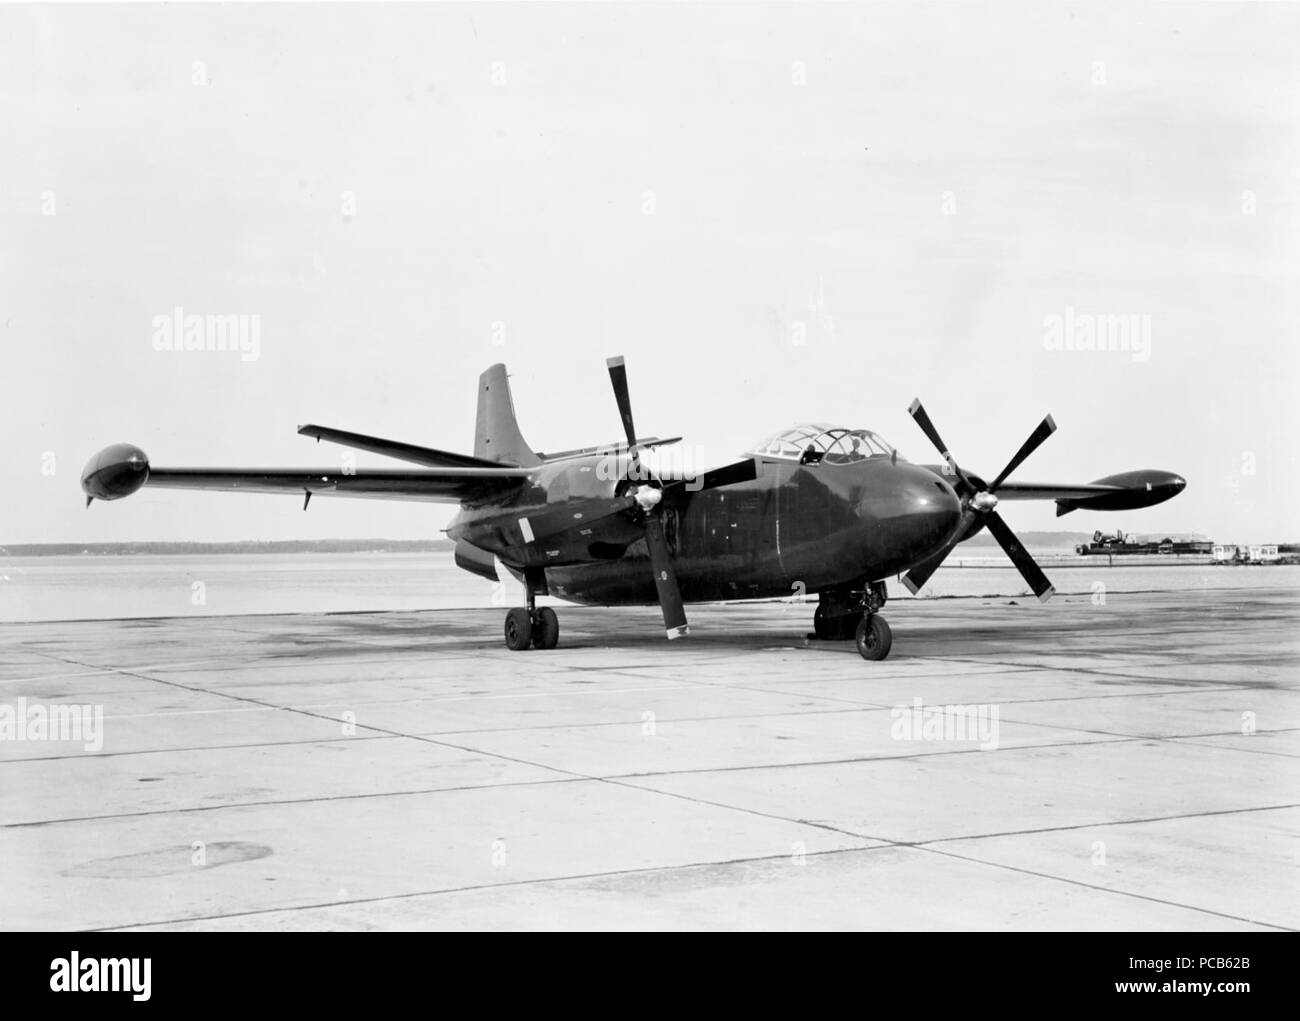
(116, 471)
(1134, 490)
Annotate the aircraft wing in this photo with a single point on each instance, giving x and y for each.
(1130, 490)
(122, 469)
(1048, 491)
(448, 485)
(1125, 491)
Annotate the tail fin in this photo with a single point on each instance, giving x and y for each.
(496, 433)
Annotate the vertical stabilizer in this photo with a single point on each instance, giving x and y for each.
(496, 433)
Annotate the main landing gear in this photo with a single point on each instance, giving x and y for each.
(854, 613)
(530, 627)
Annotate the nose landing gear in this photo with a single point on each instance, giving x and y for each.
(844, 614)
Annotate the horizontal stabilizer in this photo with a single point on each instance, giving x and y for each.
(426, 456)
(619, 447)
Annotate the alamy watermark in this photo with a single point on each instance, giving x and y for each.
(674, 462)
(1084, 331)
(179, 331)
(75, 974)
(22, 722)
(919, 722)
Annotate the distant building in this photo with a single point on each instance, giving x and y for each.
(1121, 544)
(1260, 553)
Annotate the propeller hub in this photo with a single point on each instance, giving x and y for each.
(647, 497)
(984, 502)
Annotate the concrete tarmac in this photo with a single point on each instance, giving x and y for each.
(1136, 766)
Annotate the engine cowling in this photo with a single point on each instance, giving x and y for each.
(476, 561)
(115, 472)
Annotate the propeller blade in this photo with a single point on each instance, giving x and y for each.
(727, 475)
(1025, 564)
(1045, 429)
(730, 474)
(915, 579)
(917, 411)
(927, 427)
(670, 598)
(618, 376)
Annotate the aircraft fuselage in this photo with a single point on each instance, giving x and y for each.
(793, 528)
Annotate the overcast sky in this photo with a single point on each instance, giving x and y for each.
(920, 186)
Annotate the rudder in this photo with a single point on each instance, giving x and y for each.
(496, 433)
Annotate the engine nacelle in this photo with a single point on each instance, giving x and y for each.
(472, 559)
(1144, 488)
(115, 472)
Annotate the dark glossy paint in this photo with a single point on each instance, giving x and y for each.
(116, 471)
(1134, 489)
(819, 526)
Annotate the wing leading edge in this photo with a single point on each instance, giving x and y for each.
(437, 485)
(1050, 491)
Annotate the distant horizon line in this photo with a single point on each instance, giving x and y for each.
(430, 545)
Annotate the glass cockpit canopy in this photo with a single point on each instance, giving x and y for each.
(826, 444)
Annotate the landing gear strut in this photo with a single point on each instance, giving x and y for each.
(844, 614)
(530, 627)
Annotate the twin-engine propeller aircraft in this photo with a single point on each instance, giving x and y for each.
(817, 509)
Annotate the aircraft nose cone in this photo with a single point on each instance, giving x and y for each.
(931, 509)
(912, 512)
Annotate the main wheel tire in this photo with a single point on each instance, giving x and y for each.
(847, 626)
(546, 629)
(874, 637)
(823, 625)
(519, 629)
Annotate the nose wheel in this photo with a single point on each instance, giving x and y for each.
(873, 637)
(854, 614)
